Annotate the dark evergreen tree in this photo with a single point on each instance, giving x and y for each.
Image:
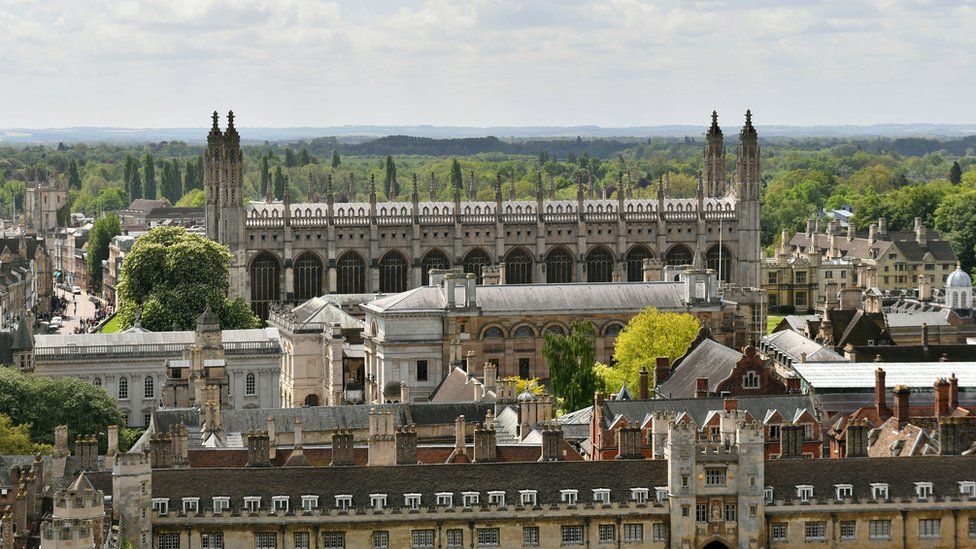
(265, 176)
(335, 158)
(127, 176)
(279, 183)
(304, 159)
(457, 180)
(149, 177)
(189, 177)
(74, 178)
(955, 173)
(390, 178)
(290, 161)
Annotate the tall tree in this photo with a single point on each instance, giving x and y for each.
(389, 180)
(149, 176)
(189, 176)
(290, 161)
(171, 275)
(955, 173)
(265, 176)
(74, 177)
(954, 219)
(102, 232)
(304, 159)
(335, 158)
(457, 180)
(571, 365)
(279, 183)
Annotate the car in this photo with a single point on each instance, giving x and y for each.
(76, 290)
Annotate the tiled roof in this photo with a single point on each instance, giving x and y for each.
(635, 411)
(709, 359)
(794, 345)
(861, 375)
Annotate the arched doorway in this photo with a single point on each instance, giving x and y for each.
(393, 272)
(599, 265)
(312, 400)
(307, 276)
(518, 267)
(715, 544)
(434, 259)
(679, 254)
(724, 266)
(474, 260)
(351, 274)
(265, 283)
(635, 262)
(559, 266)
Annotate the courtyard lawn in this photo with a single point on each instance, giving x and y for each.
(771, 322)
(111, 326)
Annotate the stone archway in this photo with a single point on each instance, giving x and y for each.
(716, 544)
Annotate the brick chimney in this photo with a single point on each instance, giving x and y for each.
(629, 443)
(953, 391)
(730, 404)
(881, 395)
(942, 390)
(902, 394)
(552, 443)
(662, 369)
(701, 387)
(793, 385)
(643, 394)
(856, 439)
(485, 448)
(342, 449)
(406, 445)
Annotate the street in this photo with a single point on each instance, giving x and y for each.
(79, 307)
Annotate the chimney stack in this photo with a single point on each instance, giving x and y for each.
(882, 227)
(902, 394)
(449, 289)
(856, 439)
(881, 395)
(850, 232)
(342, 449)
(730, 404)
(793, 385)
(925, 336)
(552, 443)
(643, 394)
(662, 370)
(272, 438)
(953, 391)
(460, 445)
(873, 233)
(490, 377)
(629, 443)
(297, 457)
(942, 390)
(257, 449)
(701, 387)
(920, 232)
(485, 447)
(404, 392)
(406, 445)
(471, 290)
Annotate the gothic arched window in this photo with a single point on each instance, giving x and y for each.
(518, 267)
(265, 283)
(474, 260)
(559, 266)
(599, 265)
(434, 259)
(351, 273)
(393, 272)
(679, 254)
(723, 269)
(307, 276)
(635, 262)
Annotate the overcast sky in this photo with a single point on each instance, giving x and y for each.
(169, 63)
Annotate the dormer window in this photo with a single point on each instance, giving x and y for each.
(568, 497)
(160, 505)
(639, 495)
(411, 501)
(967, 488)
(844, 491)
(527, 498)
(879, 491)
(923, 489)
(445, 499)
(252, 504)
(804, 492)
(496, 498)
(750, 380)
(470, 499)
(279, 504)
(221, 504)
(191, 505)
(661, 494)
(343, 502)
(601, 496)
(768, 494)
(377, 501)
(309, 503)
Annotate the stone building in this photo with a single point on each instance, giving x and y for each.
(135, 365)
(801, 281)
(285, 252)
(118, 248)
(44, 202)
(705, 493)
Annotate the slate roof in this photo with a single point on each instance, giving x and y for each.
(542, 298)
(548, 478)
(931, 318)
(146, 205)
(699, 408)
(944, 472)
(457, 386)
(904, 243)
(960, 352)
(792, 344)
(140, 341)
(708, 359)
(861, 375)
(321, 310)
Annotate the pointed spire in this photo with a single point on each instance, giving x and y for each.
(231, 133)
(415, 193)
(308, 192)
(714, 129)
(372, 187)
(286, 194)
(328, 189)
(215, 128)
(748, 130)
(498, 187)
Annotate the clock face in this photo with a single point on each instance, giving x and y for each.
(701, 476)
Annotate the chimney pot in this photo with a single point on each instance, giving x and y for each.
(643, 394)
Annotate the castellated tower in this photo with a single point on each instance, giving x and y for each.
(716, 482)
(747, 190)
(132, 496)
(714, 160)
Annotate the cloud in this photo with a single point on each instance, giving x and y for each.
(484, 62)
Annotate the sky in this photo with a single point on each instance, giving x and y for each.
(612, 63)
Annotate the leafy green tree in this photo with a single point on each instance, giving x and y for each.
(304, 159)
(648, 335)
(954, 220)
(457, 180)
(279, 183)
(335, 158)
(193, 199)
(15, 439)
(74, 177)
(171, 275)
(108, 200)
(132, 179)
(103, 230)
(45, 403)
(290, 160)
(265, 176)
(190, 177)
(955, 173)
(149, 177)
(571, 365)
